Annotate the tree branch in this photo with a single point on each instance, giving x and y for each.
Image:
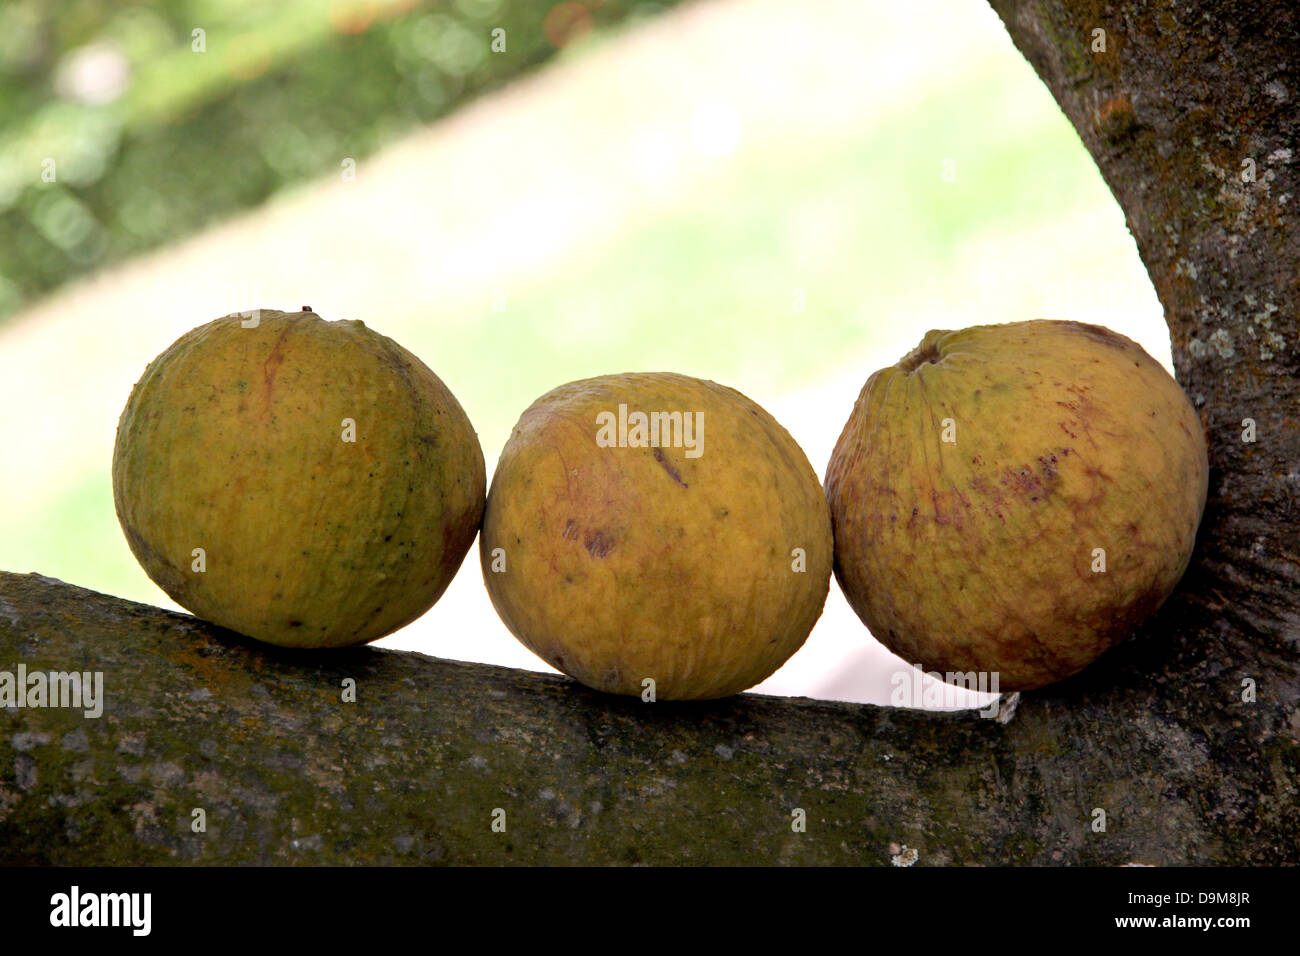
(285, 771)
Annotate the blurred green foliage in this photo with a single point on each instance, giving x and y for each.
(119, 134)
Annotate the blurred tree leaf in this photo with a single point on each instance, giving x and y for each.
(125, 128)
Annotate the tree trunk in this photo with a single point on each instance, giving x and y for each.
(1187, 736)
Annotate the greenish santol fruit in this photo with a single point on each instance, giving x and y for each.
(656, 533)
(1015, 499)
(307, 483)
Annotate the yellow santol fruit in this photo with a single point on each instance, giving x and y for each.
(691, 548)
(1015, 499)
(307, 483)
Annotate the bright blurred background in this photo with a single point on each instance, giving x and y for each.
(779, 196)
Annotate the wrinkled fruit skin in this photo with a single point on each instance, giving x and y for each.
(627, 563)
(979, 555)
(233, 442)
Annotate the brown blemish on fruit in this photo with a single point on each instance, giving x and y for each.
(570, 530)
(1098, 333)
(989, 494)
(271, 367)
(391, 357)
(598, 544)
(672, 472)
(1094, 472)
(940, 517)
(1030, 482)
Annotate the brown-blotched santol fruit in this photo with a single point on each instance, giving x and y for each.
(307, 483)
(1015, 499)
(701, 563)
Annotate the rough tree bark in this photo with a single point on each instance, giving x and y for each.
(1159, 734)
